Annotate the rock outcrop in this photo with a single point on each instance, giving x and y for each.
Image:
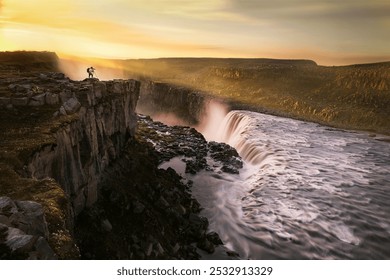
(159, 98)
(87, 145)
(59, 134)
(77, 179)
(163, 218)
(23, 231)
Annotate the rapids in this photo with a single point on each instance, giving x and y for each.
(306, 191)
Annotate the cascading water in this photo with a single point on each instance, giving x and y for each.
(306, 191)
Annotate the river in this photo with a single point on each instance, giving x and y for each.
(306, 191)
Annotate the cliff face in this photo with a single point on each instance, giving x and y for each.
(161, 98)
(58, 137)
(351, 97)
(85, 147)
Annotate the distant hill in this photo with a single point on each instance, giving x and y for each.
(355, 96)
(26, 61)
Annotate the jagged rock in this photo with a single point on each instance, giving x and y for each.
(227, 155)
(23, 230)
(62, 111)
(72, 106)
(33, 219)
(52, 98)
(66, 95)
(232, 254)
(42, 251)
(20, 244)
(20, 88)
(7, 206)
(37, 100)
(197, 226)
(206, 245)
(57, 76)
(214, 238)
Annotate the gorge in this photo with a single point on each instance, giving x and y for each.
(104, 182)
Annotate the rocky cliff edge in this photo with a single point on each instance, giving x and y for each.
(58, 136)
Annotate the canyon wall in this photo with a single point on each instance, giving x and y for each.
(58, 138)
(86, 146)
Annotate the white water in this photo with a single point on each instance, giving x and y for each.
(306, 191)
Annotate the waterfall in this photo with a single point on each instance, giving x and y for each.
(235, 130)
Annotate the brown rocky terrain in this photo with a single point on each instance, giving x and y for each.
(79, 180)
(351, 97)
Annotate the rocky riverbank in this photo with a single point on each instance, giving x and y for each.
(145, 212)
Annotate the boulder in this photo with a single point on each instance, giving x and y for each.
(7, 206)
(23, 231)
(32, 220)
(72, 106)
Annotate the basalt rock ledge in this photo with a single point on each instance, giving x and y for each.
(75, 168)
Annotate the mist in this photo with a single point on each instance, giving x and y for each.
(76, 68)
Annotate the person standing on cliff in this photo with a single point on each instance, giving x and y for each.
(90, 72)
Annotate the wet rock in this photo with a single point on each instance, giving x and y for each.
(232, 254)
(197, 226)
(206, 245)
(214, 238)
(226, 155)
(176, 141)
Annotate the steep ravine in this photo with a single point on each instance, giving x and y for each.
(80, 180)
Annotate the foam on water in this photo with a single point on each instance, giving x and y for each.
(306, 191)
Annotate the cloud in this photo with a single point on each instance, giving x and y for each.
(308, 9)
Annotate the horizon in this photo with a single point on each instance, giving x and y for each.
(327, 32)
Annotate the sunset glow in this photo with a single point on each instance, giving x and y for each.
(330, 32)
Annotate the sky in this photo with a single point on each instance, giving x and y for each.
(331, 32)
